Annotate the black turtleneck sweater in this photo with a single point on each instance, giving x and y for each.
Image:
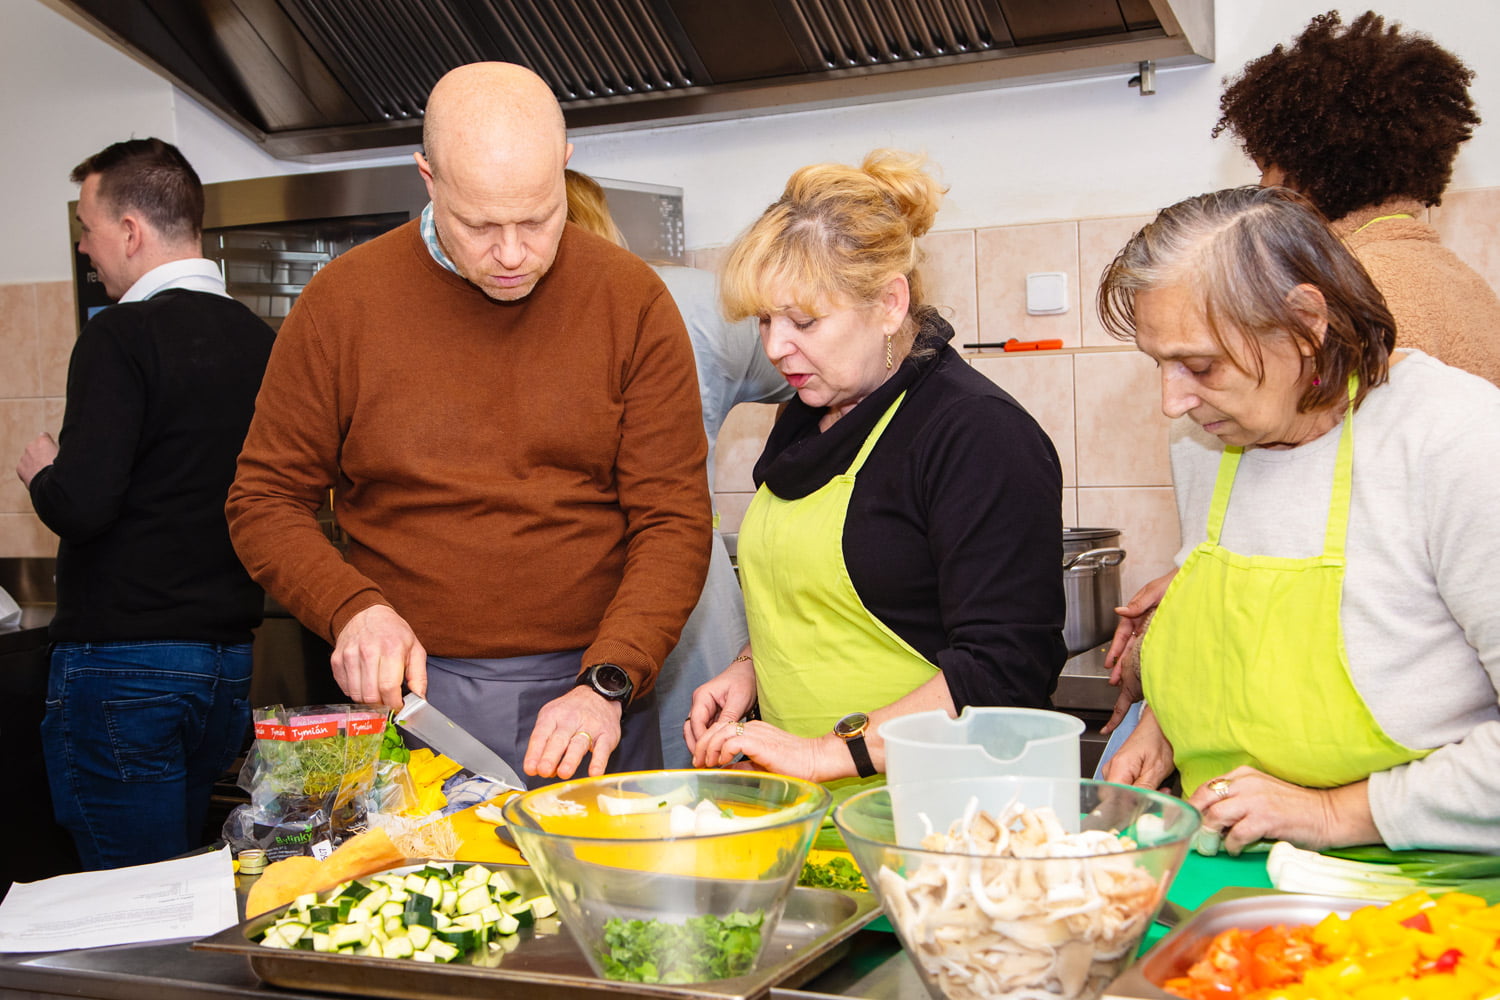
(953, 536)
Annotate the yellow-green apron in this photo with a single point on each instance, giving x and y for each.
(1244, 661)
(819, 653)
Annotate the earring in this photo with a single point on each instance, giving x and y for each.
(888, 357)
(1317, 381)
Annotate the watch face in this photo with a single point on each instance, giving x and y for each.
(611, 680)
(851, 725)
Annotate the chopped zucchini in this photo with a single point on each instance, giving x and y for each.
(430, 915)
(474, 899)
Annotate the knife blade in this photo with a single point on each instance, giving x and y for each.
(445, 736)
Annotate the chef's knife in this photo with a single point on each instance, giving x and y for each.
(446, 737)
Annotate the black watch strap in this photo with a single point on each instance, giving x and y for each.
(861, 754)
(851, 729)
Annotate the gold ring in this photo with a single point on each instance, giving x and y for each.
(1220, 787)
(739, 729)
(586, 735)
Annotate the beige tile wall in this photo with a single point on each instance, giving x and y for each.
(36, 337)
(1097, 398)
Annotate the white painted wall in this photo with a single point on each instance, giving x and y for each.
(1009, 155)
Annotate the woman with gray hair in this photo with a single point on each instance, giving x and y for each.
(1323, 667)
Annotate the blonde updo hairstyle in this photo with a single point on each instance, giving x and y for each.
(838, 234)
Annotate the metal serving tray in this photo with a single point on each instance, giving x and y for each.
(1176, 952)
(545, 964)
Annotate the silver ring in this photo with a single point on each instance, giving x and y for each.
(1220, 787)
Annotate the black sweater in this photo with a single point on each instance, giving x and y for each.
(160, 394)
(953, 537)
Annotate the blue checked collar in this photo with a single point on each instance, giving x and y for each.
(429, 236)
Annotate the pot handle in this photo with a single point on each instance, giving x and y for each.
(1094, 558)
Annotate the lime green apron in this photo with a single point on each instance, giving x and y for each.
(819, 653)
(1244, 661)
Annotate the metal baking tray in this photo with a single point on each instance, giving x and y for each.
(1176, 952)
(545, 964)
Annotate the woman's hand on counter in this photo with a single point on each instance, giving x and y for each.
(1145, 758)
(1247, 806)
(767, 748)
(376, 651)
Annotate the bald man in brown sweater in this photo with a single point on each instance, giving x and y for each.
(507, 409)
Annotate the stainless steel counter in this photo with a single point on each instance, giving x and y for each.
(1084, 683)
(874, 967)
(31, 583)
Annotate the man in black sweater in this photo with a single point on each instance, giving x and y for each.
(148, 694)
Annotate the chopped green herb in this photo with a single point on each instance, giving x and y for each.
(837, 873)
(697, 950)
(392, 747)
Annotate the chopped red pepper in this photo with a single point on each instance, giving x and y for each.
(1447, 960)
(1418, 922)
(1240, 963)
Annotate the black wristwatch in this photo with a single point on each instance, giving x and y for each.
(608, 681)
(851, 729)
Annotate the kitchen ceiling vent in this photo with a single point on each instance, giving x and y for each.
(310, 79)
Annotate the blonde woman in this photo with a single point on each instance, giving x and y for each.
(902, 551)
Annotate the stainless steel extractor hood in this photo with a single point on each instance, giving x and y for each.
(309, 79)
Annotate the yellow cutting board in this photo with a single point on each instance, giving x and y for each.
(477, 838)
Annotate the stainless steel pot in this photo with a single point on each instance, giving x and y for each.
(1091, 583)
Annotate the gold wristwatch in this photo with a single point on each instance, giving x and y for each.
(851, 729)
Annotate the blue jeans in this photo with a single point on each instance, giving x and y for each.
(135, 735)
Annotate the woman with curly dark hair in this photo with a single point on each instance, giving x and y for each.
(1366, 120)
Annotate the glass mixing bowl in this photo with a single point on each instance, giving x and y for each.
(979, 921)
(669, 876)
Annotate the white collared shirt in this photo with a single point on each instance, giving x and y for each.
(195, 274)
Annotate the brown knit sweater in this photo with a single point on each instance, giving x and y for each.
(1442, 306)
(514, 478)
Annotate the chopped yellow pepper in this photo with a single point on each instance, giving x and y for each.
(428, 771)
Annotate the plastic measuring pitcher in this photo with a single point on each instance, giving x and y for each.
(1025, 742)
(989, 742)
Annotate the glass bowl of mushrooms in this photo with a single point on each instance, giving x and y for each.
(1013, 887)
